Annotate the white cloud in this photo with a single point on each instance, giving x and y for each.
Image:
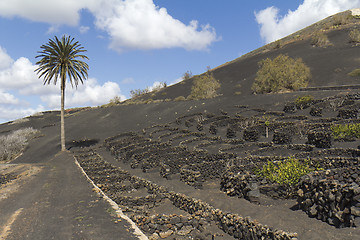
(53, 29)
(84, 29)
(88, 94)
(19, 75)
(274, 26)
(7, 98)
(11, 113)
(53, 12)
(5, 59)
(130, 24)
(128, 81)
(180, 79)
(140, 24)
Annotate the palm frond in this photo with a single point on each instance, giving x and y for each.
(62, 59)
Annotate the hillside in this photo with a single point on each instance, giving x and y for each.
(190, 169)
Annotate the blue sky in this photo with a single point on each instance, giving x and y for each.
(134, 44)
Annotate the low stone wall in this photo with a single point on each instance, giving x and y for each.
(201, 213)
(329, 200)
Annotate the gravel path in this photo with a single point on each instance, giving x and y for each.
(59, 203)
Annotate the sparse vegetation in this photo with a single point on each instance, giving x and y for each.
(346, 131)
(179, 98)
(139, 92)
(287, 172)
(135, 93)
(205, 86)
(281, 74)
(187, 75)
(355, 73)
(115, 100)
(354, 36)
(303, 102)
(13, 144)
(320, 39)
(341, 19)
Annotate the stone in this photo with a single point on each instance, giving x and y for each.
(300, 193)
(316, 112)
(319, 139)
(282, 138)
(355, 211)
(289, 108)
(185, 231)
(251, 135)
(333, 221)
(313, 211)
(357, 221)
(154, 236)
(166, 234)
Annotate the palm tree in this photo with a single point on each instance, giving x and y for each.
(59, 59)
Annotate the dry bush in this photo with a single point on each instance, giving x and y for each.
(13, 144)
(187, 75)
(354, 73)
(115, 100)
(283, 73)
(179, 98)
(320, 40)
(354, 36)
(158, 87)
(341, 19)
(139, 92)
(205, 86)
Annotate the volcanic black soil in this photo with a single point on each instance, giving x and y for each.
(182, 169)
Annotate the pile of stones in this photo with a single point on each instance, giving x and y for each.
(5, 178)
(325, 198)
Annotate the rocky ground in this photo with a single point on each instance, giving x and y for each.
(218, 152)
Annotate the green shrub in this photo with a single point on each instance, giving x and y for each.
(354, 36)
(205, 86)
(281, 74)
(287, 172)
(303, 102)
(344, 131)
(355, 73)
(13, 144)
(320, 40)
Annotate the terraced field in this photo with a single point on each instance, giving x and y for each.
(151, 172)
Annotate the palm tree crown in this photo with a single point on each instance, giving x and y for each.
(60, 59)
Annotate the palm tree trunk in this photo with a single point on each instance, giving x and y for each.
(62, 123)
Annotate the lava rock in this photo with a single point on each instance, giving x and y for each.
(348, 113)
(251, 135)
(289, 108)
(282, 138)
(230, 133)
(319, 139)
(316, 112)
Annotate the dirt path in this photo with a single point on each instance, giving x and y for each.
(55, 201)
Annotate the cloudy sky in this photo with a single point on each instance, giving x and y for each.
(133, 44)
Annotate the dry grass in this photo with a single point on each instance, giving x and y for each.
(354, 36)
(13, 144)
(320, 39)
